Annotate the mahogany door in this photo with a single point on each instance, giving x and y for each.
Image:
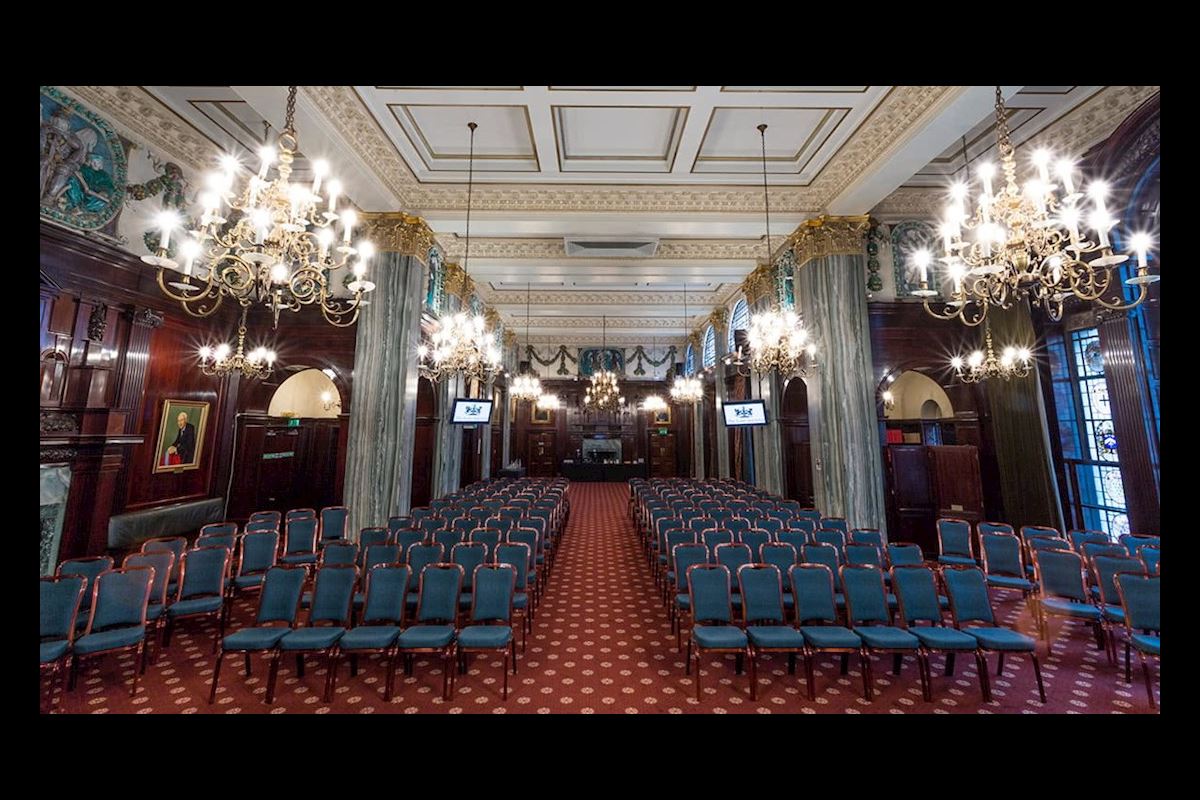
(911, 508)
(540, 455)
(957, 488)
(663, 462)
(797, 460)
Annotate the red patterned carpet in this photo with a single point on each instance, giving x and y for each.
(602, 644)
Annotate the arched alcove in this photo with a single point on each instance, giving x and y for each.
(915, 396)
(304, 395)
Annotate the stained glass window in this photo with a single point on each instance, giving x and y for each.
(710, 347)
(689, 361)
(738, 321)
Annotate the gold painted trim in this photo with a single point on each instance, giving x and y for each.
(828, 236)
(397, 232)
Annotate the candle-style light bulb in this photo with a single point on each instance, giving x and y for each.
(922, 258)
(335, 190)
(1041, 160)
(167, 220)
(190, 249)
(267, 155)
(1064, 168)
(324, 239)
(985, 171)
(320, 169)
(1140, 243)
(349, 220)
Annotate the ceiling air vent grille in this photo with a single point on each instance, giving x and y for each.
(621, 247)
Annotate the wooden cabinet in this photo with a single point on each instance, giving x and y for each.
(663, 462)
(925, 482)
(541, 455)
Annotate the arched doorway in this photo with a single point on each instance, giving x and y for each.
(795, 443)
(424, 439)
(309, 394)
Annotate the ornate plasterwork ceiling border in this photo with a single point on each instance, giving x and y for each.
(596, 322)
(499, 247)
(144, 116)
(584, 297)
(900, 109)
(619, 339)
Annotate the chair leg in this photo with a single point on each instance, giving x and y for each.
(697, 667)
(926, 676)
(354, 666)
(166, 641)
(868, 678)
(329, 666)
(272, 676)
(1146, 674)
(391, 677)
(139, 657)
(247, 665)
(514, 655)
(1128, 672)
(506, 673)
(950, 664)
(447, 674)
(984, 683)
(897, 662)
(753, 675)
(145, 656)
(791, 663)
(687, 661)
(1037, 671)
(739, 663)
(212, 693)
(845, 664)
(808, 673)
(1000, 666)
(219, 636)
(299, 665)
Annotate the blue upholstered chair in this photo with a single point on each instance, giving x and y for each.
(1003, 563)
(381, 554)
(733, 556)
(468, 555)
(300, 541)
(219, 534)
(1150, 556)
(118, 618)
(916, 590)
(864, 555)
(176, 546)
(682, 557)
(754, 538)
(278, 605)
(672, 538)
(1061, 591)
(764, 618)
(772, 524)
(332, 601)
(1104, 570)
(333, 523)
(219, 529)
(1132, 541)
(867, 614)
(261, 525)
(954, 541)
(713, 628)
(782, 555)
(806, 526)
(436, 619)
(995, 527)
(715, 538)
(162, 562)
(835, 524)
(58, 607)
(380, 624)
(89, 569)
(971, 610)
(202, 581)
(905, 554)
(407, 537)
(501, 524)
(834, 538)
(400, 523)
(795, 538)
(490, 623)
(372, 535)
(1141, 598)
(431, 525)
(272, 519)
(872, 536)
(1078, 538)
(299, 513)
(521, 558)
(817, 619)
(829, 556)
(258, 553)
(532, 585)
(463, 525)
(418, 557)
(338, 553)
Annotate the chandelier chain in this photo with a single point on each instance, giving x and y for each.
(762, 134)
(470, 185)
(289, 120)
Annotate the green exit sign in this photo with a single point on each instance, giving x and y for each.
(663, 431)
(294, 423)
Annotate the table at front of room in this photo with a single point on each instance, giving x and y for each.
(576, 471)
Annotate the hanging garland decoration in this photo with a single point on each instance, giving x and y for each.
(874, 236)
(561, 356)
(641, 355)
(171, 184)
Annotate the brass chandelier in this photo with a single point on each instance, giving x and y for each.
(1014, 362)
(271, 242)
(1026, 242)
(526, 386)
(460, 344)
(686, 388)
(653, 403)
(605, 392)
(216, 361)
(777, 339)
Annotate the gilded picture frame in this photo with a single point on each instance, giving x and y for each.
(179, 449)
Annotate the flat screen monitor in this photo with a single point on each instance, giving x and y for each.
(751, 412)
(471, 412)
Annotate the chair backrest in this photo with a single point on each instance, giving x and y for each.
(684, 556)
(387, 587)
(916, 595)
(485, 536)
(812, 588)
(1001, 554)
(708, 586)
(525, 536)
(1060, 573)
(203, 572)
(733, 556)
(374, 535)
(833, 538)
(280, 598)
(994, 527)
(519, 555)
(273, 517)
(407, 537)
(333, 594)
(1105, 570)
(176, 545)
(796, 538)
(969, 600)
(715, 538)
(120, 598)
(1149, 554)
(431, 524)
(333, 523)
(437, 593)
(338, 553)
(468, 555)
(87, 568)
(867, 536)
(419, 556)
(226, 540)
(227, 529)
(1038, 543)
(162, 562)
(501, 524)
(378, 554)
(866, 599)
(1029, 532)
(810, 514)
(300, 536)
(736, 525)
(807, 526)
(905, 554)
(1078, 538)
(781, 554)
(754, 538)
(447, 539)
(258, 553)
(827, 555)
(398, 523)
(492, 595)
(761, 588)
(1132, 541)
(835, 524)
(1141, 599)
(421, 513)
(676, 537)
(300, 513)
(463, 525)
(1091, 550)
(262, 525)
(954, 537)
(58, 605)
(864, 554)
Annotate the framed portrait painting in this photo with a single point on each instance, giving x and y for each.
(180, 435)
(662, 417)
(540, 416)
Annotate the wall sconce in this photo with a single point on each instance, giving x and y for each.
(889, 400)
(328, 402)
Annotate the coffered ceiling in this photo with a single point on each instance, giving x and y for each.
(662, 184)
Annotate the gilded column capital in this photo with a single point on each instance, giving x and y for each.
(397, 232)
(510, 338)
(718, 318)
(759, 284)
(468, 289)
(492, 317)
(453, 278)
(828, 236)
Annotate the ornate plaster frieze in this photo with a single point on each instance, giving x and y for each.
(596, 322)
(582, 298)
(710, 249)
(829, 236)
(137, 111)
(1092, 122)
(541, 341)
(398, 233)
(910, 203)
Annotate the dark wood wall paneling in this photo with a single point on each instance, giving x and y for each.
(796, 448)
(425, 442)
(568, 426)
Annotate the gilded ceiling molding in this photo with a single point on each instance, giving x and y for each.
(143, 115)
(829, 236)
(1092, 122)
(397, 232)
(714, 249)
(759, 284)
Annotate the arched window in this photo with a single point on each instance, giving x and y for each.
(738, 321)
(689, 360)
(710, 347)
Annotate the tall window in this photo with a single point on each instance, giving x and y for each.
(738, 321)
(1086, 432)
(689, 361)
(710, 347)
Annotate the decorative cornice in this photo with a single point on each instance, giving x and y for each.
(910, 203)
(397, 232)
(718, 318)
(453, 279)
(759, 284)
(829, 236)
(146, 317)
(709, 249)
(149, 120)
(58, 422)
(1092, 122)
(584, 298)
(598, 322)
(49, 455)
(594, 341)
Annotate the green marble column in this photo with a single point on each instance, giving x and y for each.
(1020, 430)
(768, 456)
(831, 295)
